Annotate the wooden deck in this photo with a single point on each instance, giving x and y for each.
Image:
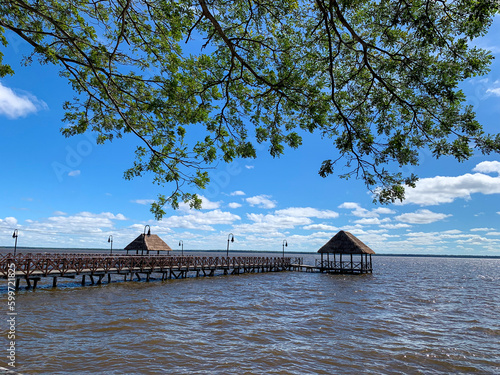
(33, 267)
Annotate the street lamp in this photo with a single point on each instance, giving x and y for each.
(181, 243)
(230, 237)
(285, 244)
(110, 240)
(15, 235)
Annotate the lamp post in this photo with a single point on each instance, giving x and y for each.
(230, 237)
(144, 239)
(15, 235)
(110, 240)
(285, 244)
(181, 243)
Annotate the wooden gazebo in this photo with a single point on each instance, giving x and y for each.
(146, 243)
(345, 243)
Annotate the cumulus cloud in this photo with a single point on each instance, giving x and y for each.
(444, 189)
(8, 222)
(307, 212)
(421, 217)
(494, 91)
(234, 205)
(359, 211)
(78, 224)
(395, 226)
(237, 192)
(321, 227)
(488, 167)
(15, 105)
(372, 221)
(262, 223)
(261, 201)
(207, 204)
(200, 220)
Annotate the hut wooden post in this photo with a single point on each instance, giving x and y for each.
(345, 243)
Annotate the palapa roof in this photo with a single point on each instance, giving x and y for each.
(345, 243)
(147, 242)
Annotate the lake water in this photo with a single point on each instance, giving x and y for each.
(413, 315)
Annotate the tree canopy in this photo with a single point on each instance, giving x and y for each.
(199, 81)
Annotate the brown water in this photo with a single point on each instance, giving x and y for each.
(411, 316)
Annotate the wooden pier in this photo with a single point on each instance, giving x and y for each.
(33, 267)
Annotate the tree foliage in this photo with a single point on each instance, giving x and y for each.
(202, 81)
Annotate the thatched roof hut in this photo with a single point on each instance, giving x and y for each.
(147, 242)
(345, 243)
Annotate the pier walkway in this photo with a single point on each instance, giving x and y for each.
(33, 267)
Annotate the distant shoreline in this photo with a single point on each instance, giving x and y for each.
(289, 253)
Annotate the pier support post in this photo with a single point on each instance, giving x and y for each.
(54, 282)
(83, 280)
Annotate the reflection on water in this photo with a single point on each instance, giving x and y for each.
(412, 316)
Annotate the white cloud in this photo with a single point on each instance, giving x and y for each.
(143, 201)
(249, 166)
(199, 220)
(495, 91)
(237, 192)
(372, 221)
(395, 226)
(59, 213)
(78, 224)
(383, 211)
(261, 201)
(15, 105)
(8, 221)
(488, 167)
(207, 204)
(482, 229)
(263, 223)
(307, 212)
(74, 173)
(442, 189)
(421, 217)
(359, 211)
(321, 227)
(234, 205)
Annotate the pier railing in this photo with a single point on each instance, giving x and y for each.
(43, 265)
(343, 266)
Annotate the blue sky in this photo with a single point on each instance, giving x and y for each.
(70, 192)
